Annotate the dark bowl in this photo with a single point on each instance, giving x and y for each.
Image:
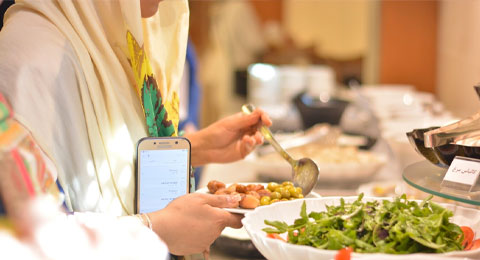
(443, 155)
(314, 111)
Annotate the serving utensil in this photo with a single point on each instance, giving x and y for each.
(304, 171)
(464, 132)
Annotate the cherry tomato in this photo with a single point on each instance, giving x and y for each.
(276, 236)
(344, 254)
(475, 244)
(467, 237)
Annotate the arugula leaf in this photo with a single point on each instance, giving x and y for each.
(394, 227)
(303, 211)
(426, 242)
(279, 227)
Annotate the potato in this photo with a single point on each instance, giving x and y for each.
(232, 187)
(213, 186)
(249, 202)
(255, 187)
(254, 194)
(222, 191)
(264, 193)
(241, 188)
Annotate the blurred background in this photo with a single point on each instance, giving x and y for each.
(429, 45)
(343, 81)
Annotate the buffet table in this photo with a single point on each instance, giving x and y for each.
(397, 109)
(246, 171)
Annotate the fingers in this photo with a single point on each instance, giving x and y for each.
(247, 145)
(222, 201)
(206, 254)
(226, 201)
(233, 220)
(251, 140)
(258, 137)
(244, 121)
(256, 118)
(265, 118)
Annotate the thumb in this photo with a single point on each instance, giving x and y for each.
(226, 201)
(246, 146)
(223, 201)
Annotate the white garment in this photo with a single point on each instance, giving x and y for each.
(69, 81)
(53, 235)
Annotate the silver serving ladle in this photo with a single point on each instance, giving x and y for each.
(304, 171)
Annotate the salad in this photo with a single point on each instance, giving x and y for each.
(395, 227)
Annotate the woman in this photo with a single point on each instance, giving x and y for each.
(37, 229)
(90, 78)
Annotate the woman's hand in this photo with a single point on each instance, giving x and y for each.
(229, 139)
(190, 223)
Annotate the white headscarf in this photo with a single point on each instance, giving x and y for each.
(97, 174)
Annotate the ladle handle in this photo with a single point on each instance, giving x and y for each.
(267, 134)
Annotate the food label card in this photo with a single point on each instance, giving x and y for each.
(462, 174)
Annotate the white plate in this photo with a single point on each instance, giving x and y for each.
(244, 211)
(351, 172)
(238, 210)
(290, 210)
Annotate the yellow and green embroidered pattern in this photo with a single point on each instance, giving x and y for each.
(155, 107)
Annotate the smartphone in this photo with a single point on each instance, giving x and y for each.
(162, 172)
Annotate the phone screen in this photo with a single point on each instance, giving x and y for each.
(163, 177)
